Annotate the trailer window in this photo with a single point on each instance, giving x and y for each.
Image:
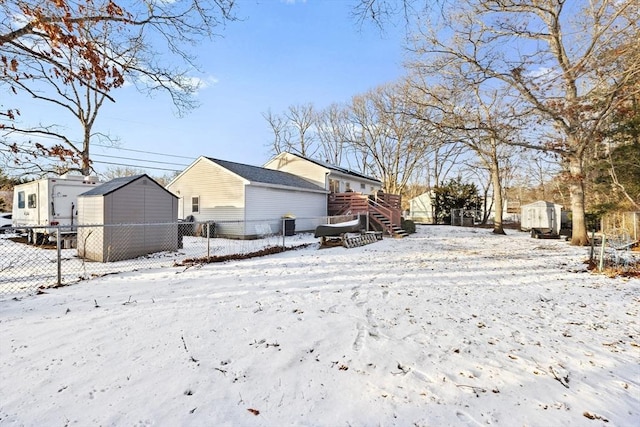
(21, 199)
(31, 199)
(195, 204)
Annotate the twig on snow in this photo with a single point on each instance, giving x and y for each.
(476, 390)
(562, 380)
(184, 343)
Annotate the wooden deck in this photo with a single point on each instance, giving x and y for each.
(384, 210)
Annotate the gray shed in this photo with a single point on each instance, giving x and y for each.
(541, 215)
(139, 216)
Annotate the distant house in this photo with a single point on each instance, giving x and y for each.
(116, 204)
(334, 179)
(421, 208)
(246, 201)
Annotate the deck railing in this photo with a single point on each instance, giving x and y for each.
(387, 205)
(391, 214)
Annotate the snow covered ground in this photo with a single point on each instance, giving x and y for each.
(450, 326)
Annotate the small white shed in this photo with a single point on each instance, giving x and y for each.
(137, 216)
(542, 215)
(421, 208)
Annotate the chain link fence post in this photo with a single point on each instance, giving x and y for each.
(59, 256)
(283, 232)
(604, 243)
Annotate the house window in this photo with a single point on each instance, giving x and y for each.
(195, 204)
(334, 186)
(31, 201)
(347, 186)
(362, 186)
(21, 200)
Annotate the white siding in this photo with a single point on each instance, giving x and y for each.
(541, 214)
(318, 174)
(272, 203)
(221, 192)
(354, 183)
(297, 166)
(421, 209)
(56, 201)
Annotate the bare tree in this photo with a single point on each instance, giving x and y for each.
(550, 54)
(389, 138)
(482, 120)
(330, 132)
(294, 130)
(280, 129)
(302, 118)
(75, 54)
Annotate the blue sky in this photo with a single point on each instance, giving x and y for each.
(280, 54)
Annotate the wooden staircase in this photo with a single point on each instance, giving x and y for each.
(383, 210)
(390, 228)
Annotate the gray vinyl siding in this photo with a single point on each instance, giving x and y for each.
(221, 192)
(140, 218)
(90, 240)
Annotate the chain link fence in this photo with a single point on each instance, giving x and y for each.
(615, 253)
(621, 225)
(35, 258)
(465, 217)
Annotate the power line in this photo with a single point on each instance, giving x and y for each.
(141, 151)
(133, 159)
(95, 144)
(139, 160)
(138, 166)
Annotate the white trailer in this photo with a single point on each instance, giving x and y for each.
(542, 215)
(48, 202)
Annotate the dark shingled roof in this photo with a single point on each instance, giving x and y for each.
(116, 183)
(266, 176)
(337, 168)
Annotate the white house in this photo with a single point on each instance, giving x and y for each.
(246, 201)
(334, 179)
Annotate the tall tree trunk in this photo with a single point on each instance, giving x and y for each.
(497, 196)
(579, 236)
(85, 159)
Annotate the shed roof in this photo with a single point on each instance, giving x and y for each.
(541, 203)
(266, 176)
(117, 183)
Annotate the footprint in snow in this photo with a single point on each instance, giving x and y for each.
(467, 420)
(358, 343)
